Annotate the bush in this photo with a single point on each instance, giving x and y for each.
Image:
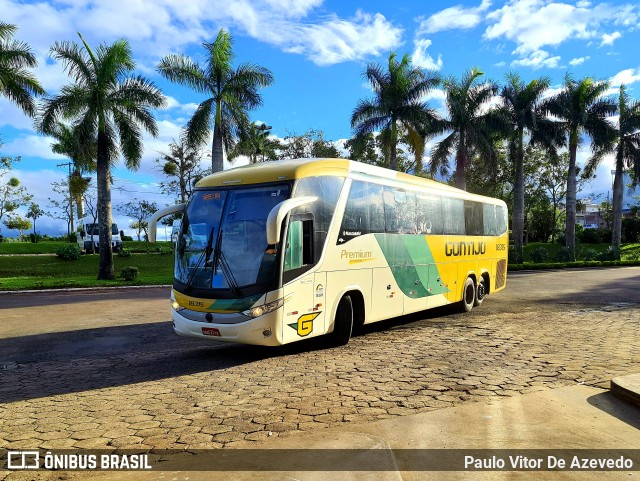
(539, 255)
(129, 273)
(165, 250)
(561, 239)
(631, 229)
(72, 238)
(611, 254)
(124, 253)
(589, 255)
(564, 254)
(126, 238)
(595, 236)
(69, 252)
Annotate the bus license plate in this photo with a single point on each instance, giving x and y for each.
(210, 331)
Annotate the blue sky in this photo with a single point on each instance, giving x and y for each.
(317, 51)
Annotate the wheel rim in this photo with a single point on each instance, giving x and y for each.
(481, 291)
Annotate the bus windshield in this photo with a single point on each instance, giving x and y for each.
(225, 230)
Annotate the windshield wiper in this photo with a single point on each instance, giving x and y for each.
(206, 253)
(218, 257)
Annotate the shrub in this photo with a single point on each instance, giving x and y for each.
(595, 236)
(126, 238)
(611, 254)
(590, 255)
(72, 238)
(129, 273)
(631, 229)
(69, 252)
(564, 255)
(165, 250)
(539, 255)
(124, 253)
(561, 239)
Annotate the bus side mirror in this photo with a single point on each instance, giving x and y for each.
(153, 220)
(279, 212)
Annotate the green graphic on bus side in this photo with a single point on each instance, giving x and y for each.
(409, 258)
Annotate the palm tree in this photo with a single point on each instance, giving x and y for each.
(397, 105)
(255, 143)
(472, 128)
(522, 109)
(580, 109)
(109, 107)
(16, 82)
(232, 93)
(626, 147)
(82, 155)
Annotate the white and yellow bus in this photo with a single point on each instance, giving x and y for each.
(283, 251)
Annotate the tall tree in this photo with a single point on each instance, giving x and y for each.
(232, 93)
(255, 143)
(12, 194)
(17, 83)
(34, 213)
(83, 156)
(471, 126)
(398, 105)
(139, 211)
(182, 166)
(522, 110)
(108, 106)
(580, 109)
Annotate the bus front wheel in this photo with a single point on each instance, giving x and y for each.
(343, 323)
(468, 295)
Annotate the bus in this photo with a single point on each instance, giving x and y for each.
(283, 251)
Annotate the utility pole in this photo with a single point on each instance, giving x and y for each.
(71, 214)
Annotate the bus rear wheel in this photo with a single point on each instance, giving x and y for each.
(343, 323)
(468, 295)
(481, 291)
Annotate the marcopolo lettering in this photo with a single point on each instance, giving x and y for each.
(470, 248)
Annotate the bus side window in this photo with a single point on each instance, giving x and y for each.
(453, 216)
(473, 218)
(429, 214)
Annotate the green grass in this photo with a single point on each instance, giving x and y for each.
(50, 247)
(43, 272)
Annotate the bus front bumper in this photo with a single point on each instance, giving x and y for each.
(259, 331)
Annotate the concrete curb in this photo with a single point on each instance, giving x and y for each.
(627, 388)
(79, 289)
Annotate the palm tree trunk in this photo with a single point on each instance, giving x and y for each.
(518, 200)
(393, 163)
(570, 227)
(461, 178)
(217, 152)
(616, 230)
(105, 270)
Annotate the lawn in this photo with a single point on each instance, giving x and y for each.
(50, 247)
(42, 272)
(627, 251)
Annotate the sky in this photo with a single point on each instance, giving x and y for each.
(317, 51)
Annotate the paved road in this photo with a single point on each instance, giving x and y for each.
(103, 368)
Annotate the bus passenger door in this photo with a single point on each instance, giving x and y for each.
(301, 315)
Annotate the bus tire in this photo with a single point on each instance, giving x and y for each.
(468, 295)
(343, 323)
(481, 291)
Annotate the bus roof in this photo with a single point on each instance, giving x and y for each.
(298, 168)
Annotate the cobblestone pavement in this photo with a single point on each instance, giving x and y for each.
(133, 384)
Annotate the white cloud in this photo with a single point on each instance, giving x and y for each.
(421, 58)
(538, 59)
(437, 95)
(533, 24)
(626, 77)
(31, 146)
(578, 61)
(502, 63)
(456, 17)
(609, 39)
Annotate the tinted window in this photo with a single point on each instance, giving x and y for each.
(501, 219)
(453, 216)
(364, 213)
(327, 190)
(473, 218)
(429, 214)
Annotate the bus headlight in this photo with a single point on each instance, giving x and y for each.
(176, 307)
(265, 308)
